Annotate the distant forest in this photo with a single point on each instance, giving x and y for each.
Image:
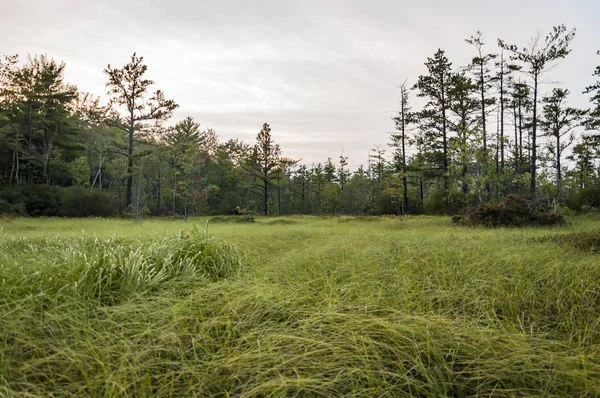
(486, 130)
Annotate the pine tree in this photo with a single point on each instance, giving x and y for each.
(557, 122)
(433, 118)
(536, 59)
(128, 89)
(400, 139)
(480, 68)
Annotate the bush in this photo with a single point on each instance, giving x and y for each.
(586, 241)
(232, 219)
(33, 200)
(79, 202)
(513, 211)
(10, 209)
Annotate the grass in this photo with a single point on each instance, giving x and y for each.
(298, 306)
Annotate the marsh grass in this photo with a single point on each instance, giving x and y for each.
(317, 307)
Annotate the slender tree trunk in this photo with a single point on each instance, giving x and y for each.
(502, 117)
(29, 145)
(404, 178)
(279, 195)
(130, 161)
(484, 128)
(445, 143)
(266, 195)
(558, 171)
(534, 139)
(159, 196)
(516, 143)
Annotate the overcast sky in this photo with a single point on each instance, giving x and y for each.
(323, 74)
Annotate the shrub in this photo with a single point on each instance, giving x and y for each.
(41, 200)
(79, 202)
(232, 219)
(10, 209)
(513, 211)
(586, 241)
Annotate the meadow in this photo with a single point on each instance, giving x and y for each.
(299, 306)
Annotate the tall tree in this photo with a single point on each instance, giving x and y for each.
(399, 139)
(264, 163)
(433, 118)
(343, 175)
(536, 58)
(501, 77)
(128, 89)
(520, 95)
(557, 122)
(593, 121)
(481, 70)
(464, 104)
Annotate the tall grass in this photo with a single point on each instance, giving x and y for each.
(314, 308)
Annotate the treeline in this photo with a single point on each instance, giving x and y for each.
(486, 130)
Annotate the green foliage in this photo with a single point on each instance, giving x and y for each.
(48, 201)
(513, 211)
(245, 218)
(586, 241)
(79, 202)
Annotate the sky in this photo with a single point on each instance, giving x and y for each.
(324, 74)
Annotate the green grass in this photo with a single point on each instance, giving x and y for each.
(300, 306)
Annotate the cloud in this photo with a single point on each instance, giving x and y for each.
(322, 73)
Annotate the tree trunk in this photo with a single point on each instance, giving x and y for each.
(29, 145)
(445, 143)
(558, 172)
(266, 195)
(534, 138)
(130, 162)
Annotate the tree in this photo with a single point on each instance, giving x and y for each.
(584, 153)
(480, 68)
(521, 105)
(465, 106)
(128, 89)
(264, 163)
(183, 142)
(399, 140)
(593, 121)
(558, 121)
(433, 119)
(343, 175)
(536, 58)
(500, 78)
(42, 111)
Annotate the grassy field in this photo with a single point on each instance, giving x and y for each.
(299, 306)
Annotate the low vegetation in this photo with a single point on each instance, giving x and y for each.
(512, 211)
(315, 307)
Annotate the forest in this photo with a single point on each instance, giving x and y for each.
(484, 131)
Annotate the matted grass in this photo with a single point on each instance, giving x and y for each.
(298, 306)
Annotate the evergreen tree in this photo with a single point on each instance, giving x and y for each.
(433, 118)
(400, 140)
(535, 60)
(480, 68)
(557, 122)
(128, 89)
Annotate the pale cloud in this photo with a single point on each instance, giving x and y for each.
(322, 73)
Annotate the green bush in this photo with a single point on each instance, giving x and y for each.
(232, 219)
(513, 211)
(79, 202)
(12, 209)
(586, 241)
